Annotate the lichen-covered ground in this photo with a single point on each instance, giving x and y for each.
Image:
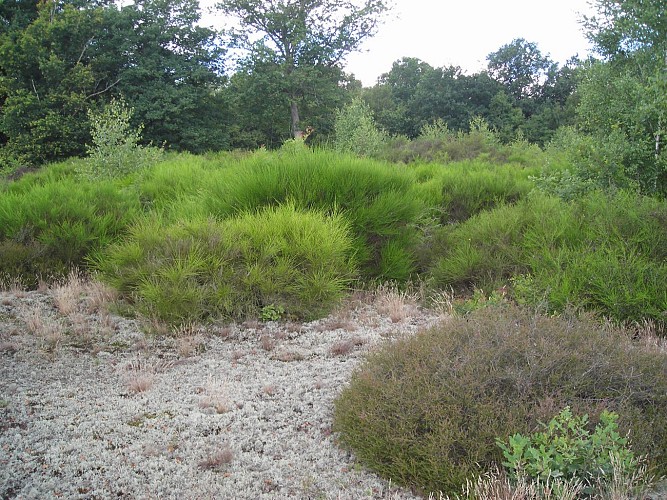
(93, 405)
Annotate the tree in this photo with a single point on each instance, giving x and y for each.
(626, 94)
(258, 99)
(73, 56)
(47, 82)
(305, 37)
(520, 66)
(171, 73)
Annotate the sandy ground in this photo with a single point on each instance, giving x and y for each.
(92, 406)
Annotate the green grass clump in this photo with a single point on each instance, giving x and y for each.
(426, 410)
(295, 261)
(602, 253)
(375, 197)
(457, 191)
(49, 226)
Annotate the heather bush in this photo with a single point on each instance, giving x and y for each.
(426, 410)
(278, 258)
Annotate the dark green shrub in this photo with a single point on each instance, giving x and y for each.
(47, 228)
(279, 258)
(376, 198)
(426, 410)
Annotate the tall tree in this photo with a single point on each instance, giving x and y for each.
(171, 73)
(70, 56)
(47, 81)
(520, 66)
(305, 37)
(627, 92)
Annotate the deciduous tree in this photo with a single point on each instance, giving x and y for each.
(305, 37)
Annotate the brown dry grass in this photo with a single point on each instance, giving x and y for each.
(396, 304)
(217, 459)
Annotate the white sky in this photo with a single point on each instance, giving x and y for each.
(463, 32)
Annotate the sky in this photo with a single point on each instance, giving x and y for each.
(463, 32)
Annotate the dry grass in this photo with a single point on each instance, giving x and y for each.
(49, 331)
(189, 339)
(14, 285)
(99, 296)
(190, 345)
(287, 356)
(67, 294)
(215, 395)
(81, 329)
(398, 305)
(496, 485)
(442, 302)
(140, 376)
(217, 459)
(345, 346)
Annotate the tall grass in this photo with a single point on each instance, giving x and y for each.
(296, 261)
(47, 228)
(603, 253)
(376, 199)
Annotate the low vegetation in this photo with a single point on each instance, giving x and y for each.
(276, 260)
(426, 411)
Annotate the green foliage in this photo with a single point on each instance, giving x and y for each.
(305, 41)
(566, 450)
(45, 229)
(115, 151)
(272, 312)
(601, 253)
(255, 264)
(67, 58)
(374, 197)
(425, 411)
(437, 143)
(355, 130)
(47, 80)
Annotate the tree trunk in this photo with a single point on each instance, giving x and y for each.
(297, 133)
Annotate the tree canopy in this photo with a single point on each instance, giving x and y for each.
(304, 38)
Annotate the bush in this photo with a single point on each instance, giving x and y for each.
(376, 198)
(426, 410)
(438, 144)
(278, 259)
(46, 229)
(356, 132)
(116, 151)
(565, 450)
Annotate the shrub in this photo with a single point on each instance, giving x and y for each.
(356, 132)
(426, 410)
(278, 260)
(116, 151)
(602, 253)
(565, 450)
(437, 144)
